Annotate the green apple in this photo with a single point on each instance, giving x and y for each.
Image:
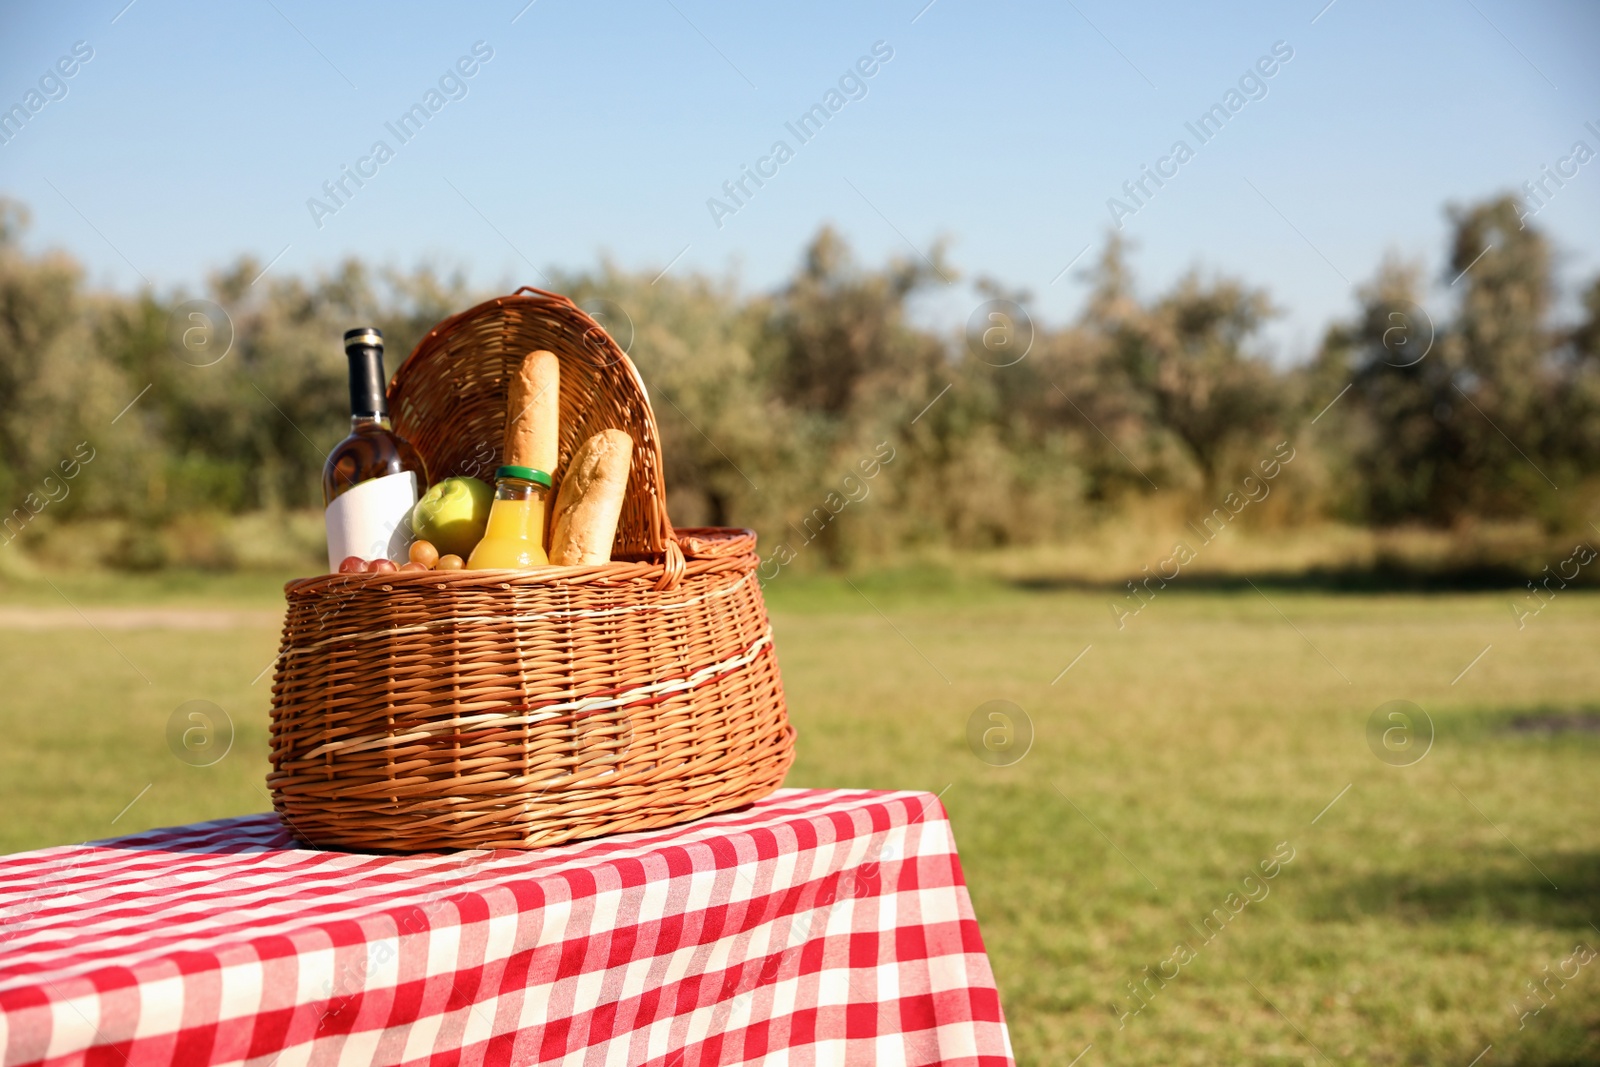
(452, 515)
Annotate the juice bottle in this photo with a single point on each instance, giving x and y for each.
(514, 538)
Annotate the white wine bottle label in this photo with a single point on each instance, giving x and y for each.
(372, 520)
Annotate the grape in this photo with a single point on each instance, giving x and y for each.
(381, 566)
(413, 567)
(352, 565)
(424, 553)
(450, 563)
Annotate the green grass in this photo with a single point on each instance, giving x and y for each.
(1192, 743)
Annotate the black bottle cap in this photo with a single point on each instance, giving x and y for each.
(364, 348)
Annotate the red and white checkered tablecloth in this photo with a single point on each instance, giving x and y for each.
(816, 927)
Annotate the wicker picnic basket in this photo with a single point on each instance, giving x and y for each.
(514, 709)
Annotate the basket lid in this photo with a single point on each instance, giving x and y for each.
(449, 400)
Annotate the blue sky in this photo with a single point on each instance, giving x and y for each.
(197, 133)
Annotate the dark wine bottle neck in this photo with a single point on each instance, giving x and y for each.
(367, 395)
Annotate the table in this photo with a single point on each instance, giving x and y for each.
(816, 927)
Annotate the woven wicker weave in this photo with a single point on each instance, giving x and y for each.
(513, 709)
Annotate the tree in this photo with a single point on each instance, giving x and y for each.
(1188, 356)
(1399, 442)
(1463, 429)
(56, 388)
(838, 335)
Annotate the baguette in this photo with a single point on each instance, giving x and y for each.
(590, 501)
(533, 413)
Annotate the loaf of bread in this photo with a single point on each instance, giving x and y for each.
(533, 413)
(590, 501)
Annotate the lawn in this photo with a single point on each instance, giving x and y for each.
(1222, 734)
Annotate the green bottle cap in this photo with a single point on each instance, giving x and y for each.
(527, 474)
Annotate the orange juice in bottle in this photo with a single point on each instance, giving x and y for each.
(514, 538)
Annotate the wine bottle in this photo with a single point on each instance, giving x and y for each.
(372, 478)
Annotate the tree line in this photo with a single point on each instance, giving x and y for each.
(773, 404)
